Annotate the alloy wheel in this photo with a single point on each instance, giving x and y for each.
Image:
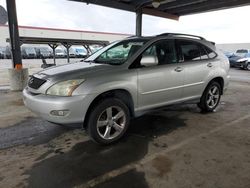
(213, 97)
(111, 122)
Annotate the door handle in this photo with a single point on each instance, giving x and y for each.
(178, 69)
(209, 64)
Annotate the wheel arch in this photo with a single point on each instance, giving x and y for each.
(120, 94)
(219, 80)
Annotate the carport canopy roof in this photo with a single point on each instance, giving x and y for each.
(171, 9)
(38, 40)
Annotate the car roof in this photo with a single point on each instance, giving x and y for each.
(176, 36)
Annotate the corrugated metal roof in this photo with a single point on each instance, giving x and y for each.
(169, 8)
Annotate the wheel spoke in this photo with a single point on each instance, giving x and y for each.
(212, 103)
(117, 127)
(102, 123)
(119, 115)
(210, 93)
(209, 100)
(111, 122)
(214, 90)
(109, 113)
(107, 132)
(216, 96)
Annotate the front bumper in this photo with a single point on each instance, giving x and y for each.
(43, 105)
(240, 64)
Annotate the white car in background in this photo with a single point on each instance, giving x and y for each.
(59, 52)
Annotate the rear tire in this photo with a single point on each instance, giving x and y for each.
(210, 98)
(108, 121)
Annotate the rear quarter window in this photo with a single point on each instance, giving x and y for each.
(211, 54)
(193, 51)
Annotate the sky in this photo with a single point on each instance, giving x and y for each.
(225, 26)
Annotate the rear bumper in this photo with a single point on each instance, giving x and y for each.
(43, 105)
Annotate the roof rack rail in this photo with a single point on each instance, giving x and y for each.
(181, 34)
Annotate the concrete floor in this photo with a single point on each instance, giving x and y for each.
(174, 147)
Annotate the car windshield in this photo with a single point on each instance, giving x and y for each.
(45, 50)
(59, 51)
(241, 51)
(80, 50)
(117, 53)
(240, 54)
(30, 50)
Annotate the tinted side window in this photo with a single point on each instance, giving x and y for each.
(163, 50)
(203, 51)
(211, 54)
(190, 50)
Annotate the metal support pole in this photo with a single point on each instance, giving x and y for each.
(138, 27)
(14, 34)
(67, 46)
(89, 51)
(53, 46)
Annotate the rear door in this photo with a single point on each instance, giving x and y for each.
(197, 61)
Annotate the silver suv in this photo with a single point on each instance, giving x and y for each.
(126, 78)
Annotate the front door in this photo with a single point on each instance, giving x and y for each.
(160, 83)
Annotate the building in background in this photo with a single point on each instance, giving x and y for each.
(26, 31)
(233, 47)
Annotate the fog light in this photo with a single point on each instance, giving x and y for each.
(59, 112)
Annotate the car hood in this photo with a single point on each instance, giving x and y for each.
(72, 70)
(234, 58)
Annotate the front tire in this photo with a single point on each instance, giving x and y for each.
(210, 98)
(108, 121)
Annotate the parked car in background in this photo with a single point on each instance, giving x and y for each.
(72, 52)
(2, 52)
(60, 53)
(28, 52)
(7, 52)
(228, 54)
(43, 52)
(233, 59)
(77, 52)
(95, 48)
(105, 91)
(240, 59)
(81, 52)
(242, 52)
(243, 62)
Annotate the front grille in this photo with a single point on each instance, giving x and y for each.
(35, 83)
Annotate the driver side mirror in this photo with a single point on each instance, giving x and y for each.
(148, 61)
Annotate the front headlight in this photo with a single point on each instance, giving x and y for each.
(242, 60)
(64, 88)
